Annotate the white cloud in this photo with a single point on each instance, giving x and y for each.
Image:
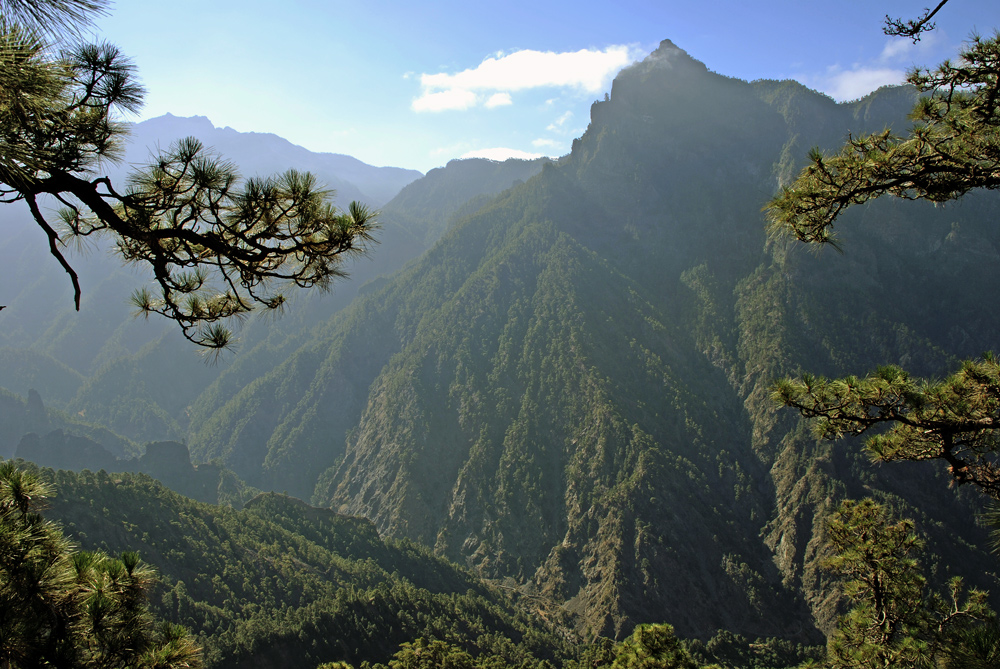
(889, 68)
(560, 122)
(500, 154)
(896, 49)
(856, 83)
(547, 143)
(902, 49)
(443, 100)
(498, 100)
(586, 70)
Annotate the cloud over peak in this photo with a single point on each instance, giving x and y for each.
(492, 81)
(443, 100)
(500, 154)
(858, 82)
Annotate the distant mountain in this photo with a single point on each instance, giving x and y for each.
(37, 294)
(139, 376)
(570, 389)
(263, 154)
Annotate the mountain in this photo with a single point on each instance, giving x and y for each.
(263, 154)
(139, 377)
(164, 390)
(37, 294)
(428, 206)
(570, 389)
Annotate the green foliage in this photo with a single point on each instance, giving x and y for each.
(735, 651)
(976, 647)
(652, 647)
(280, 581)
(216, 248)
(53, 16)
(894, 622)
(434, 654)
(951, 150)
(71, 608)
(949, 420)
(532, 398)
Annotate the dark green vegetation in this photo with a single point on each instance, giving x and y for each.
(895, 622)
(951, 150)
(569, 393)
(63, 607)
(572, 387)
(282, 584)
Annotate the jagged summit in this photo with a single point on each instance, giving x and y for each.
(571, 388)
(669, 54)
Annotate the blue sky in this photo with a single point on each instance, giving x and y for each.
(417, 84)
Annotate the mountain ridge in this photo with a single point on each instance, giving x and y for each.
(263, 154)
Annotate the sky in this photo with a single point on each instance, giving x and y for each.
(418, 84)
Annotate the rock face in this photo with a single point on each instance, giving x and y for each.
(61, 451)
(168, 457)
(167, 461)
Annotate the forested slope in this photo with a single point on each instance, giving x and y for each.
(139, 377)
(282, 584)
(571, 387)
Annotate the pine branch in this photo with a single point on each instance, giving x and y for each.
(914, 28)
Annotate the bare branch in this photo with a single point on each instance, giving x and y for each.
(54, 249)
(912, 29)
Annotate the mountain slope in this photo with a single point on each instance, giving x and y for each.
(258, 381)
(571, 388)
(139, 377)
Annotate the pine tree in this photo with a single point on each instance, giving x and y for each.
(895, 622)
(951, 150)
(216, 247)
(68, 608)
(652, 647)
